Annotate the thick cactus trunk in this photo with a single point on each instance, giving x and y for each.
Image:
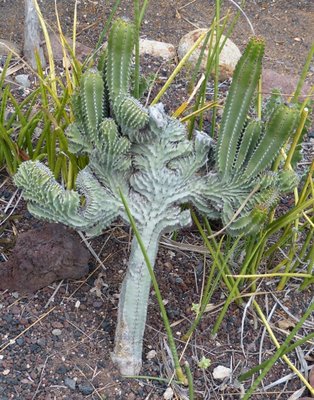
(133, 304)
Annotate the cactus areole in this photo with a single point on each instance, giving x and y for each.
(146, 155)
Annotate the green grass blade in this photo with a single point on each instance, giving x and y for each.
(303, 74)
(259, 367)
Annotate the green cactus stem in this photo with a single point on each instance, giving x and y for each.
(128, 111)
(244, 83)
(146, 155)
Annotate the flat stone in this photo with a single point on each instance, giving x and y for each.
(228, 58)
(56, 332)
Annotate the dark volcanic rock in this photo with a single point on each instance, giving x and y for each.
(42, 256)
(85, 389)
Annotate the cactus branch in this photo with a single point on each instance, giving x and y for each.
(244, 83)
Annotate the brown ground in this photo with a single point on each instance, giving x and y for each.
(287, 25)
(40, 364)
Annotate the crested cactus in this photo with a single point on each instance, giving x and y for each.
(147, 156)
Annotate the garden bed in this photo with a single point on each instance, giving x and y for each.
(56, 344)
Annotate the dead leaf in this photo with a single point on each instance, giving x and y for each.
(98, 285)
(296, 395)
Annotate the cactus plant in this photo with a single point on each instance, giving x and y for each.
(146, 155)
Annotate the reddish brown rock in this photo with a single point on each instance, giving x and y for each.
(284, 82)
(42, 256)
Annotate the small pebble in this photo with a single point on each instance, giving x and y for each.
(168, 395)
(151, 354)
(57, 324)
(56, 332)
(20, 341)
(221, 372)
(131, 396)
(35, 348)
(15, 310)
(70, 383)
(98, 304)
(62, 370)
(85, 389)
(23, 80)
(41, 342)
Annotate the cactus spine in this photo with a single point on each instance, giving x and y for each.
(147, 156)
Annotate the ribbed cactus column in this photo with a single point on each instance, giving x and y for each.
(133, 304)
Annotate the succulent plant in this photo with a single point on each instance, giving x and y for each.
(146, 155)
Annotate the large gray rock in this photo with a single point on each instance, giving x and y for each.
(228, 57)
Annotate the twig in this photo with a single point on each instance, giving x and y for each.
(41, 377)
(52, 297)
